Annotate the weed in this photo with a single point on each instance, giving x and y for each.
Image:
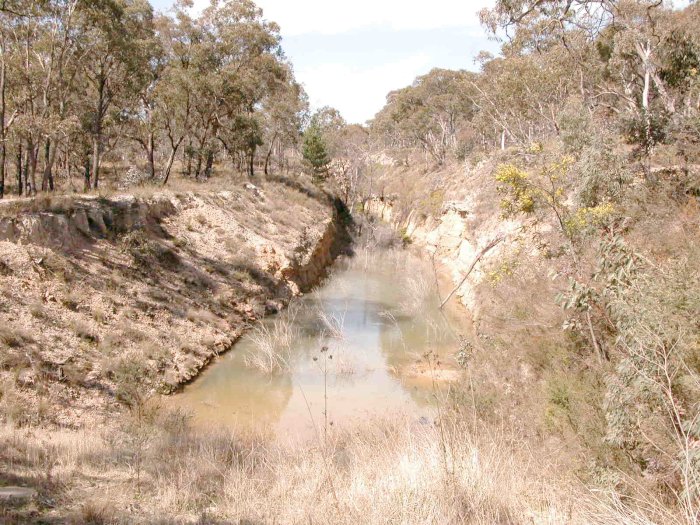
(272, 345)
(14, 337)
(38, 311)
(83, 330)
(332, 324)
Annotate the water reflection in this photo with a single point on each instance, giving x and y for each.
(375, 328)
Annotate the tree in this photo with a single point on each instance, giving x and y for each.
(82, 81)
(113, 33)
(630, 38)
(315, 151)
(283, 113)
(428, 112)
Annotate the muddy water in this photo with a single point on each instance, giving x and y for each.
(355, 351)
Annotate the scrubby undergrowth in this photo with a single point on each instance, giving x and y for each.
(585, 333)
(156, 470)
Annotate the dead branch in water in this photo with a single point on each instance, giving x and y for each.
(490, 246)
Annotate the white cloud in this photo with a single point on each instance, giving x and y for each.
(352, 82)
(331, 17)
(359, 92)
(298, 17)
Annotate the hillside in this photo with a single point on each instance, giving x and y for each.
(539, 313)
(222, 302)
(110, 300)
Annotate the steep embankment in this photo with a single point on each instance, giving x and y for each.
(453, 214)
(106, 300)
(553, 373)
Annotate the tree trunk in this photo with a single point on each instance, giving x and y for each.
(20, 185)
(30, 166)
(210, 164)
(188, 154)
(645, 101)
(151, 159)
(88, 182)
(49, 159)
(269, 154)
(67, 169)
(251, 162)
(171, 161)
(95, 168)
(198, 167)
(490, 246)
(3, 154)
(97, 135)
(3, 146)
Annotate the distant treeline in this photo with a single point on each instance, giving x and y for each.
(633, 67)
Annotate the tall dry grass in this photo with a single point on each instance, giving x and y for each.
(272, 342)
(391, 470)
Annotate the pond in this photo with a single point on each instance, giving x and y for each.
(370, 341)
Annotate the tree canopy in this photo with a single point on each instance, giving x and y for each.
(84, 82)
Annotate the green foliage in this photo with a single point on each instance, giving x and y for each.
(427, 113)
(519, 194)
(586, 219)
(575, 127)
(655, 386)
(601, 173)
(505, 268)
(405, 237)
(315, 152)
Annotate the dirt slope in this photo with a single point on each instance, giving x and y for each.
(103, 301)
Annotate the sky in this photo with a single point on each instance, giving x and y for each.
(349, 55)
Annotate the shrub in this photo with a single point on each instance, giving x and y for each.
(513, 183)
(83, 330)
(14, 337)
(132, 377)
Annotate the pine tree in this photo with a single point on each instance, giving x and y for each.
(315, 152)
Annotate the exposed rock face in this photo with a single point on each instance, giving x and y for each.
(455, 237)
(89, 216)
(94, 292)
(312, 266)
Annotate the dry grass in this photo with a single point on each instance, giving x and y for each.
(273, 343)
(15, 337)
(383, 471)
(332, 324)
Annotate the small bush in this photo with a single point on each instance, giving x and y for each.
(202, 317)
(38, 311)
(72, 299)
(85, 331)
(76, 374)
(132, 377)
(13, 337)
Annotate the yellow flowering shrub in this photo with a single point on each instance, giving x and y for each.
(514, 184)
(585, 218)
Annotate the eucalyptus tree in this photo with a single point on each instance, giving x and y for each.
(632, 40)
(174, 92)
(81, 79)
(429, 112)
(143, 123)
(518, 97)
(114, 41)
(283, 114)
(242, 52)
